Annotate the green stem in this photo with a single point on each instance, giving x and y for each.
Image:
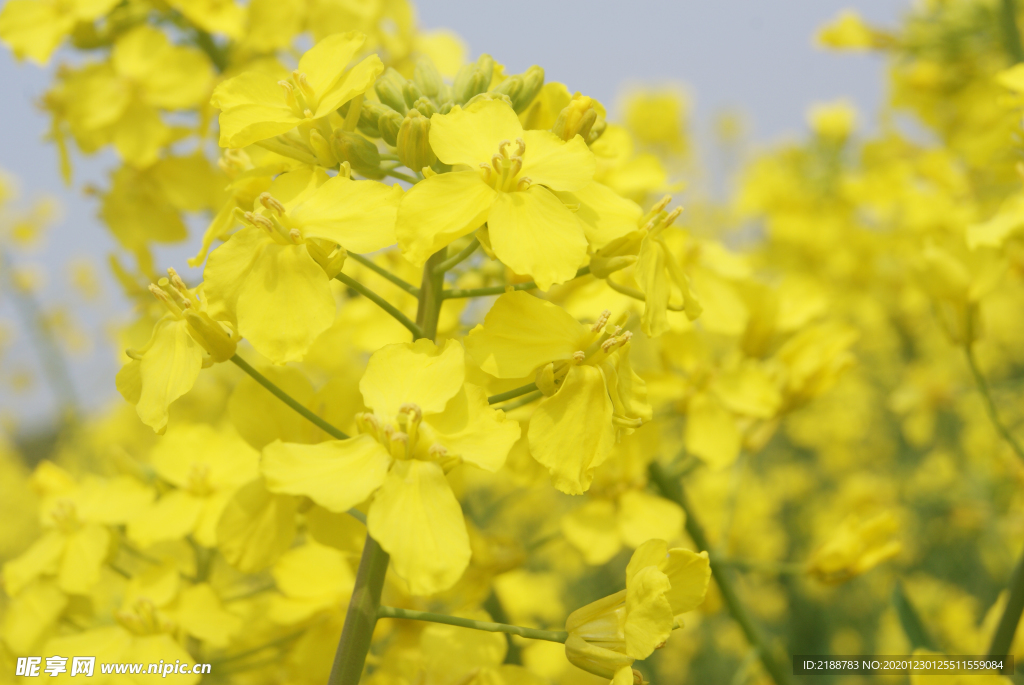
(511, 394)
(402, 177)
(1002, 640)
(218, 54)
(373, 266)
(451, 262)
(532, 633)
(1011, 32)
(380, 302)
(286, 150)
(256, 650)
(44, 342)
(458, 293)
(524, 400)
(361, 618)
(990, 404)
(288, 399)
(432, 289)
(672, 489)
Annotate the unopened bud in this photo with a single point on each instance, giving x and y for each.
(425, 106)
(360, 153)
(428, 78)
(533, 81)
(473, 79)
(411, 93)
(413, 142)
(577, 118)
(369, 115)
(388, 125)
(390, 89)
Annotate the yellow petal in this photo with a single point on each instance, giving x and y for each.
(227, 268)
(30, 614)
(358, 215)
(252, 108)
(173, 516)
(605, 214)
(84, 553)
(711, 432)
(200, 613)
(591, 530)
(522, 332)
(34, 29)
(284, 303)
(139, 135)
(651, 553)
(652, 277)
(748, 390)
(689, 573)
(468, 428)
(643, 516)
(533, 233)
(471, 135)
(559, 165)
(256, 527)
(571, 432)
(337, 475)
(313, 571)
(648, 613)
(261, 418)
(419, 372)
(39, 559)
(417, 520)
(440, 209)
(356, 80)
(168, 370)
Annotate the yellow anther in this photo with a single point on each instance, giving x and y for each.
(259, 220)
(524, 183)
(270, 202)
(437, 451)
(601, 321)
(159, 293)
(662, 204)
(303, 83)
(308, 113)
(295, 235)
(176, 280)
(412, 410)
(520, 147)
(579, 356)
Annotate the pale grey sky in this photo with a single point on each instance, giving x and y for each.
(754, 56)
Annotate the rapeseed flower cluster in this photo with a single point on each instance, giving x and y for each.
(454, 390)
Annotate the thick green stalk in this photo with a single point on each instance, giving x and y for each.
(1002, 640)
(672, 489)
(532, 633)
(288, 399)
(458, 293)
(1011, 32)
(361, 618)
(990, 404)
(382, 303)
(432, 295)
(511, 394)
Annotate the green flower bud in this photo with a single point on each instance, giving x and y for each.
(427, 78)
(473, 79)
(425, 106)
(388, 125)
(511, 87)
(360, 153)
(390, 88)
(322, 149)
(414, 142)
(411, 93)
(533, 81)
